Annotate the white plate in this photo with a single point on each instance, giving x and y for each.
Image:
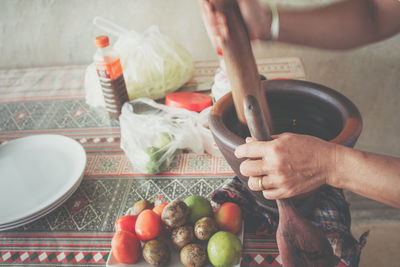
(41, 213)
(36, 174)
(44, 211)
(175, 261)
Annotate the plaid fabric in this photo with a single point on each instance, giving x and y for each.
(331, 214)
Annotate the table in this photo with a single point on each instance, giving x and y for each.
(78, 233)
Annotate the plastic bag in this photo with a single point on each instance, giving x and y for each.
(153, 64)
(152, 134)
(208, 140)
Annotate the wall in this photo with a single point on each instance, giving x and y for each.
(58, 32)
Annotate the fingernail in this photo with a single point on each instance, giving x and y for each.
(219, 51)
(219, 41)
(248, 139)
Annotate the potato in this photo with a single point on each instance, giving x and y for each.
(156, 252)
(205, 228)
(175, 214)
(193, 255)
(140, 206)
(182, 236)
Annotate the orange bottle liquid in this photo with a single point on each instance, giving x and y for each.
(109, 70)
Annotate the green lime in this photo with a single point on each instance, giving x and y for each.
(199, 207)
(224, 249)
(162, 139)
(154, 165)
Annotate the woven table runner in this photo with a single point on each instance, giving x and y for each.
(79, 232)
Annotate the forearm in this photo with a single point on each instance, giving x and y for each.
(342, 25)
(367, 174)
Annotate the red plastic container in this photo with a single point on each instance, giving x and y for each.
(188, 100)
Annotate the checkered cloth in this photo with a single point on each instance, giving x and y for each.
(331, 214)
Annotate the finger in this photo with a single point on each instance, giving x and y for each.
(206, 6)
(219, 41)
(210, 20)
(254, 183)
(249, 139)
(254, 149)
(276, 136)
(273, 193)
(210, 15)
(253, 167)
(222, 25)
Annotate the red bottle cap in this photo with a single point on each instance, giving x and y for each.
(188, 100)
(101, 41)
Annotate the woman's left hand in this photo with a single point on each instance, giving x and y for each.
(289, 165)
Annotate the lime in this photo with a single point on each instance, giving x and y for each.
(155, 164)
(224, 249)
(162, 139)
(199, 207)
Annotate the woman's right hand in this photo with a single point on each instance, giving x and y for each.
(254, 15)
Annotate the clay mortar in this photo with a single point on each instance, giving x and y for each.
(296, 106)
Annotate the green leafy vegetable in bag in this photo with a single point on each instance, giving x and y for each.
(157, 159)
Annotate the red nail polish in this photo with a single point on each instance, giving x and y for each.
(219, 51)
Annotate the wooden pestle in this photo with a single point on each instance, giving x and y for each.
(239, 60)
(300, 242)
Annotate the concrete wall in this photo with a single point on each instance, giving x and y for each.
(60, 32)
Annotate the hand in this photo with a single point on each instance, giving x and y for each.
(289, 165)
(254, 16)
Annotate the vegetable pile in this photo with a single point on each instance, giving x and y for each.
(191, 227)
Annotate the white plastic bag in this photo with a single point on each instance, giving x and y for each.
(152, 134)
(152, 63)
(208, 140)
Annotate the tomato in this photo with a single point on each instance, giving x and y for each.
(148, 225)
(125, 247)
(229, 217)
(159, 208)
(126, 223)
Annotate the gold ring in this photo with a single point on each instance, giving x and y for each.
(260, 185)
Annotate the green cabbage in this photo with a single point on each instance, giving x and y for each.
(153, 64)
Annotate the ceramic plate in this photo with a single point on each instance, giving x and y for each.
(37, 174)
(41, 213)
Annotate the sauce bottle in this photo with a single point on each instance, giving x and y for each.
(109, 70)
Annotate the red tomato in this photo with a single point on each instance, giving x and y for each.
(159, 208)
(125, 247)
(148, 225)
(229, 217)
(126, 223)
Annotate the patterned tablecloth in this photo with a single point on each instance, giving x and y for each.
(78, 233)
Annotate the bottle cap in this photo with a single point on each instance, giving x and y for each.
(102, 41)
(188, 100)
